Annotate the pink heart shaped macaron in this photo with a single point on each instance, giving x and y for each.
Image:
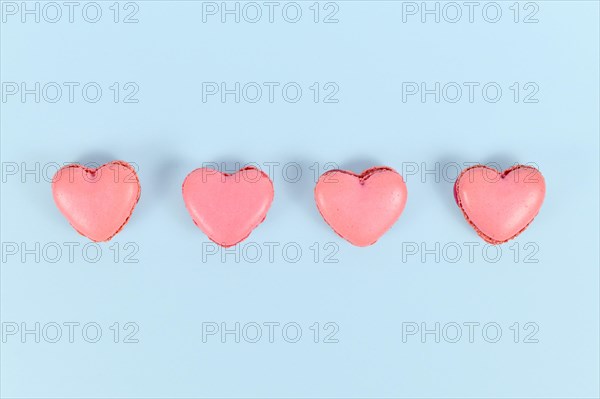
(97, 202)
(227, 207)
(361, 208)
(499, 205)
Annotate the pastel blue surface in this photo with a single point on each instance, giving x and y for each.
(178, 290)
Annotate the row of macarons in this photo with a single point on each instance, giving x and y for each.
(98, 202)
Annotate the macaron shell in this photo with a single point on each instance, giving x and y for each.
(97, 202)
(227, 207)
(361, 208)
(500, 206)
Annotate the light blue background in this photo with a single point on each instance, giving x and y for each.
(371, 291)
